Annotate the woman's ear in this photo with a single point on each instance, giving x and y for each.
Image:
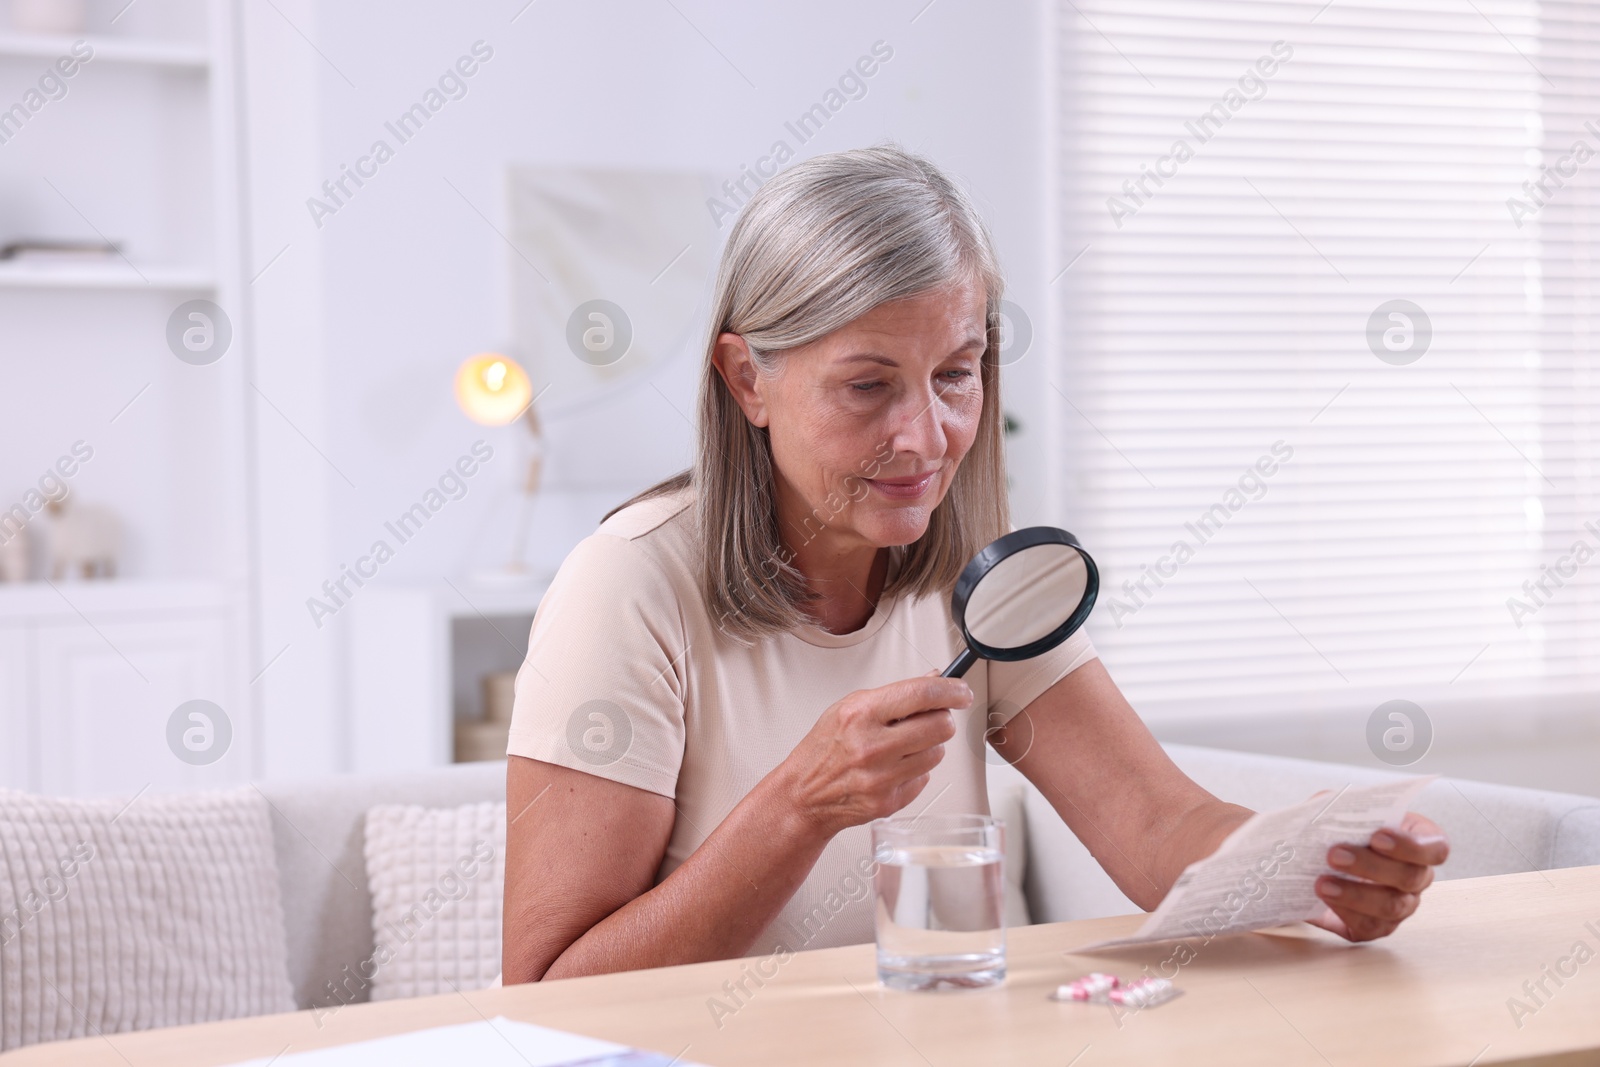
(731, 356)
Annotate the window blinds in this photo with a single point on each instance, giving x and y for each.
(1326, 299)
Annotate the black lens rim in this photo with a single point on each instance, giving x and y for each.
(1004, 548)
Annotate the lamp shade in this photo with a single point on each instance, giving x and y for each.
(492, 389)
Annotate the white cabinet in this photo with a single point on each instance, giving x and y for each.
(418, 655)
(106, 695)
(91, 676)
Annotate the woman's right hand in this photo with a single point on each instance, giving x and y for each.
(871, 753)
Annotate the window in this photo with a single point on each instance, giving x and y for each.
(1327, 397)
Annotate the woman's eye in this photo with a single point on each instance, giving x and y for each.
(864, 387)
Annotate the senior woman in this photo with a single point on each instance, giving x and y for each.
(731, 677)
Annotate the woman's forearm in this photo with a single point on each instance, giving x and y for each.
(1193, 835)
(718, 901)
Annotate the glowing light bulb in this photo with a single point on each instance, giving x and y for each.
(492, 389)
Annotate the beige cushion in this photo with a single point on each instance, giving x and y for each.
(319, 830)
(437, 880)
(119, 915)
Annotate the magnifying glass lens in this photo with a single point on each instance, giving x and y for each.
(1023, 595)
(1027, 595)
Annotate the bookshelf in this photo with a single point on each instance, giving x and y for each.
(155, 53)
(141, 150)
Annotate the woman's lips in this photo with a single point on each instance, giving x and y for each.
(903, 490)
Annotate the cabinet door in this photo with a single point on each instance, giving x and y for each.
(107, 693)
(17, 753)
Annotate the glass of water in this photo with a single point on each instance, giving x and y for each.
(940, 901)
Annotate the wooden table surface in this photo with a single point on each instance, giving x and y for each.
(1440, 991)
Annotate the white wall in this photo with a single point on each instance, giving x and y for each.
(359, 324)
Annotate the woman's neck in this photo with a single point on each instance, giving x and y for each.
(848, 577)
(849, 590)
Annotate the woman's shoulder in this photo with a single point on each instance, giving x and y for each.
(640, 552)
(644, 517)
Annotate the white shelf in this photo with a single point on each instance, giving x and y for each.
(106, 49)
(38, 601)
(112, 275)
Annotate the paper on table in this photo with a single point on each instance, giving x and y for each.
(499, 1042)
(1264, 874)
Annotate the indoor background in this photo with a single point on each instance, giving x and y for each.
(1298, 343)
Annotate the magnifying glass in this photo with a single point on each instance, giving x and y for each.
(1021, 596)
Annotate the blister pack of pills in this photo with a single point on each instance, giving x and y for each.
(1100, 988)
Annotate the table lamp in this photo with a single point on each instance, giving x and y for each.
(493, 390)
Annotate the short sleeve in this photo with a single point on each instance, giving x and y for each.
(601, 689)
(1013, 686)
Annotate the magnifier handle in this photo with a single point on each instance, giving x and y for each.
(961, 665)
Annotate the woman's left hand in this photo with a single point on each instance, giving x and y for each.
(1387, 877)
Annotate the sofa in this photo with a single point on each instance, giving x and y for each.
(1494, 830)
(313, 837)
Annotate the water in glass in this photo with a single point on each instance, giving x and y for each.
(940, 901)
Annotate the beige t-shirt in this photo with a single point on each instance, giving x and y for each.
(627, 677)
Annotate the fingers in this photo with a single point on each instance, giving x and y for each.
(906, 792)
(1328, 920)
(1385, 879)
(922, 762)
(1376, 867)
(874, 750)
(919, 732)
(900, 699)
(1368, 911)
(1419, 840)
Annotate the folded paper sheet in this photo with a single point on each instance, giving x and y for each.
(498, 1042)
(1265, 873)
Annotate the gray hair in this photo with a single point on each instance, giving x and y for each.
(815, 248)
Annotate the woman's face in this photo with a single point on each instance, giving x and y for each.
(869, 422)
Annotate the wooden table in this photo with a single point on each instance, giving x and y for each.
(1438, 992)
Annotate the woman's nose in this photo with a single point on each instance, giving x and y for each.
(919, 426)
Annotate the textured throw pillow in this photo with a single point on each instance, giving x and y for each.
(130, 915)
(437, 878)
